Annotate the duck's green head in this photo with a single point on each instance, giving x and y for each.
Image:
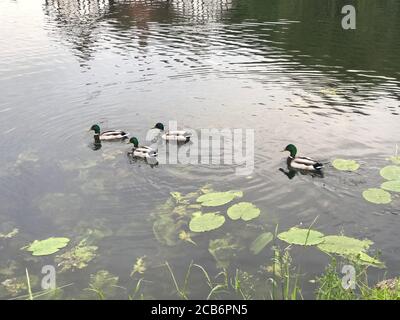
(292, 149)
(159, 126)
(95, 128)
(135, 142)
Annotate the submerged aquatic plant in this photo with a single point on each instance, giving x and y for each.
(377, 196)
(17, 285)
(139, 266)
(103, 283)
(60, 207)
(173, 216)
(261, 241)
(185, 236)
(47, 246)
(10, 234)
(76, 258)
(8, 268)
(224, 250)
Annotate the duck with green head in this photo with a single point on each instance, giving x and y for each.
(141, 151)
(173, 135)
(109, 135)
(301, 163)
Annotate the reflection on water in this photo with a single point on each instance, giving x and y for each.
(82, 22)
(286, 70)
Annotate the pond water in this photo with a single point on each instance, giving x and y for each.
(285, 69)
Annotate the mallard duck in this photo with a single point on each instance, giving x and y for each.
(176, 135)
(301, 163)
(141, 151)
(108, 135)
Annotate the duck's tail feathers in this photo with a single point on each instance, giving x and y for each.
(318, 166)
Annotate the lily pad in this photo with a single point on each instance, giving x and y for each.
(343, 245)
(345, 165)
(368, 260)
(260, 242)
(214, 199)
(244, 210)
(304, 237)
(392, 185)
(391, 172)
(206, 222)
(377, 196)
(47, 247)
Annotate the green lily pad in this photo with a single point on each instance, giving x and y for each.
(345, 165)
(391, 172)
(343, 245)
(368, 260)
(214, 199)
(304, 237)
(206, 222)
(245, 210)
(377, 196)
(392, 185)
(47, 247)
(260, 242)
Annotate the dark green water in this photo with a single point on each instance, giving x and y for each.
(285, 69)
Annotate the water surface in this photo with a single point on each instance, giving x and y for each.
(283, 68)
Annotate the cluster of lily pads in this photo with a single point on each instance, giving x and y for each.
(183, 217)
(347, 247)
(391, 174)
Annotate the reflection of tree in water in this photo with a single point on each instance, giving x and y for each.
(77, 21)
(82, 22)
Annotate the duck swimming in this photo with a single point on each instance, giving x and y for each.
(109, 135)
(301, 163)
(141, 151)
(175, 135)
